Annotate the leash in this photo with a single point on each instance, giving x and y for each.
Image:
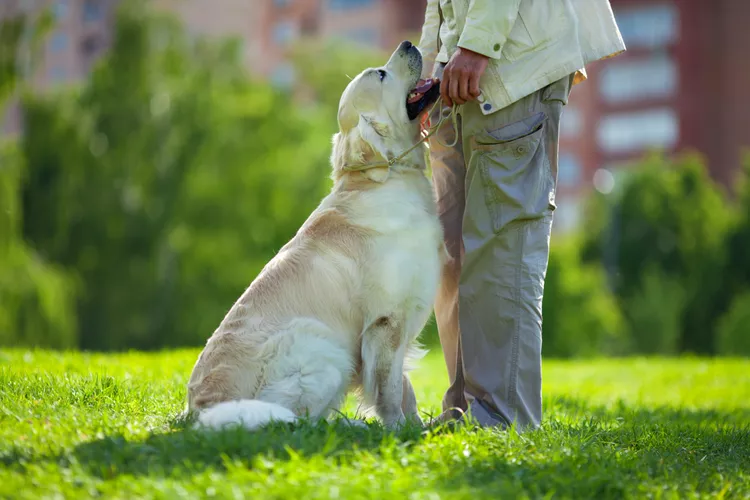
(452, 114)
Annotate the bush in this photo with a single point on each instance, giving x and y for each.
(669, 218)
(654, 314)
(581, 317)
(37, 299)
(733, 332)
(165, 182)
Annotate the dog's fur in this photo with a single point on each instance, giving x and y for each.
(342, 303)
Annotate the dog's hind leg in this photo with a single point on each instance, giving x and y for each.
(309, 376)
(383, 352)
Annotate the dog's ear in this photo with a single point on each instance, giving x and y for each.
(373, 130)
(362, 145)
(373, 133)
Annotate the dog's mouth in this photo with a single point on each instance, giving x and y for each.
(424, 94)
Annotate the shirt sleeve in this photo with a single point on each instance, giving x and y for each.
(488, 25)
(429, 40)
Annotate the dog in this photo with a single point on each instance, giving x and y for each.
(340, 307)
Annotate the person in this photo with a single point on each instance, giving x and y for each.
(508, 66)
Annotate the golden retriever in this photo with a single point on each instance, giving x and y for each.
(341, 305)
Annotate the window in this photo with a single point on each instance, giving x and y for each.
(283, 76)
(568, 170)
(60, 8)
(628, 81)
(348, 4)
(92, 11)
(648, 26)
(639, 130)
(571, 121)
(89, 46)
(284, 32)
(58, 42)
(365, 36)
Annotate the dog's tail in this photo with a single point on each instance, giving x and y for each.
(248, 413)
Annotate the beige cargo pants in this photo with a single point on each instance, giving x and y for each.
(496, 195)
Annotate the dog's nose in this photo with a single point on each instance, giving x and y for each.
(406, 45)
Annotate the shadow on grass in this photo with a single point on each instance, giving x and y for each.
(581, 451)
(184, 449)
(598, 452)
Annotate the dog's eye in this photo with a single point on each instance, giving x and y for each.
(381, 74)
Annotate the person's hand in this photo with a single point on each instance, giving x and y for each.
(460, 83)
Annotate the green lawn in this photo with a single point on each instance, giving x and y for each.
(79, 426)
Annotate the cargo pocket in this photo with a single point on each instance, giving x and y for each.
(515, 172)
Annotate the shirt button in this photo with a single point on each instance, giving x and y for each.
(487, 106)
(496, 47)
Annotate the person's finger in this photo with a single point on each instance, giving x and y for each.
(474, 86)
(453, 90)
(444, 87)
(463, 86)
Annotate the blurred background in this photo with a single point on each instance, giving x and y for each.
(155, 154)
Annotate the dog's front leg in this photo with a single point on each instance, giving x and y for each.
(383, 350)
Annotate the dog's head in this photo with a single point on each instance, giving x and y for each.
(379, 111)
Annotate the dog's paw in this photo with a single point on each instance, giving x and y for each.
(354, 422)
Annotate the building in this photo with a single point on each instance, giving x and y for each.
(266, 29)
(379, 23)
(681, 85)
(80, 35)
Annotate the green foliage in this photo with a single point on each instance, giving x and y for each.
(733, 332)
(166, 182)
(737, 270)
(581, 317)
(36, 297)
(81, 426)
(670, 217)
(20, 42)
(654, 314)
(37, 302)
(138, 205)
(328, 76)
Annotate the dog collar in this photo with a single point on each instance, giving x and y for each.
(431, 131)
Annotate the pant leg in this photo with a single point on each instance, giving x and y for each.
(448, 174)
(510, 187)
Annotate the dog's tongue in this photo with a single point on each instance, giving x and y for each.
(423, 86)
(418, 91)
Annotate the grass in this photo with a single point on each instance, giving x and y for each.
(79, 426)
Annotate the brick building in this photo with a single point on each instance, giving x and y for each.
(266, 28)
(681, 85)
(81, 33)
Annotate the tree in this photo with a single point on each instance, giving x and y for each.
(581, 317)
(670, 218)
(36, 297)
(165, 182)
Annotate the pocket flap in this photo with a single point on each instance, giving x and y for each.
(513, 131)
